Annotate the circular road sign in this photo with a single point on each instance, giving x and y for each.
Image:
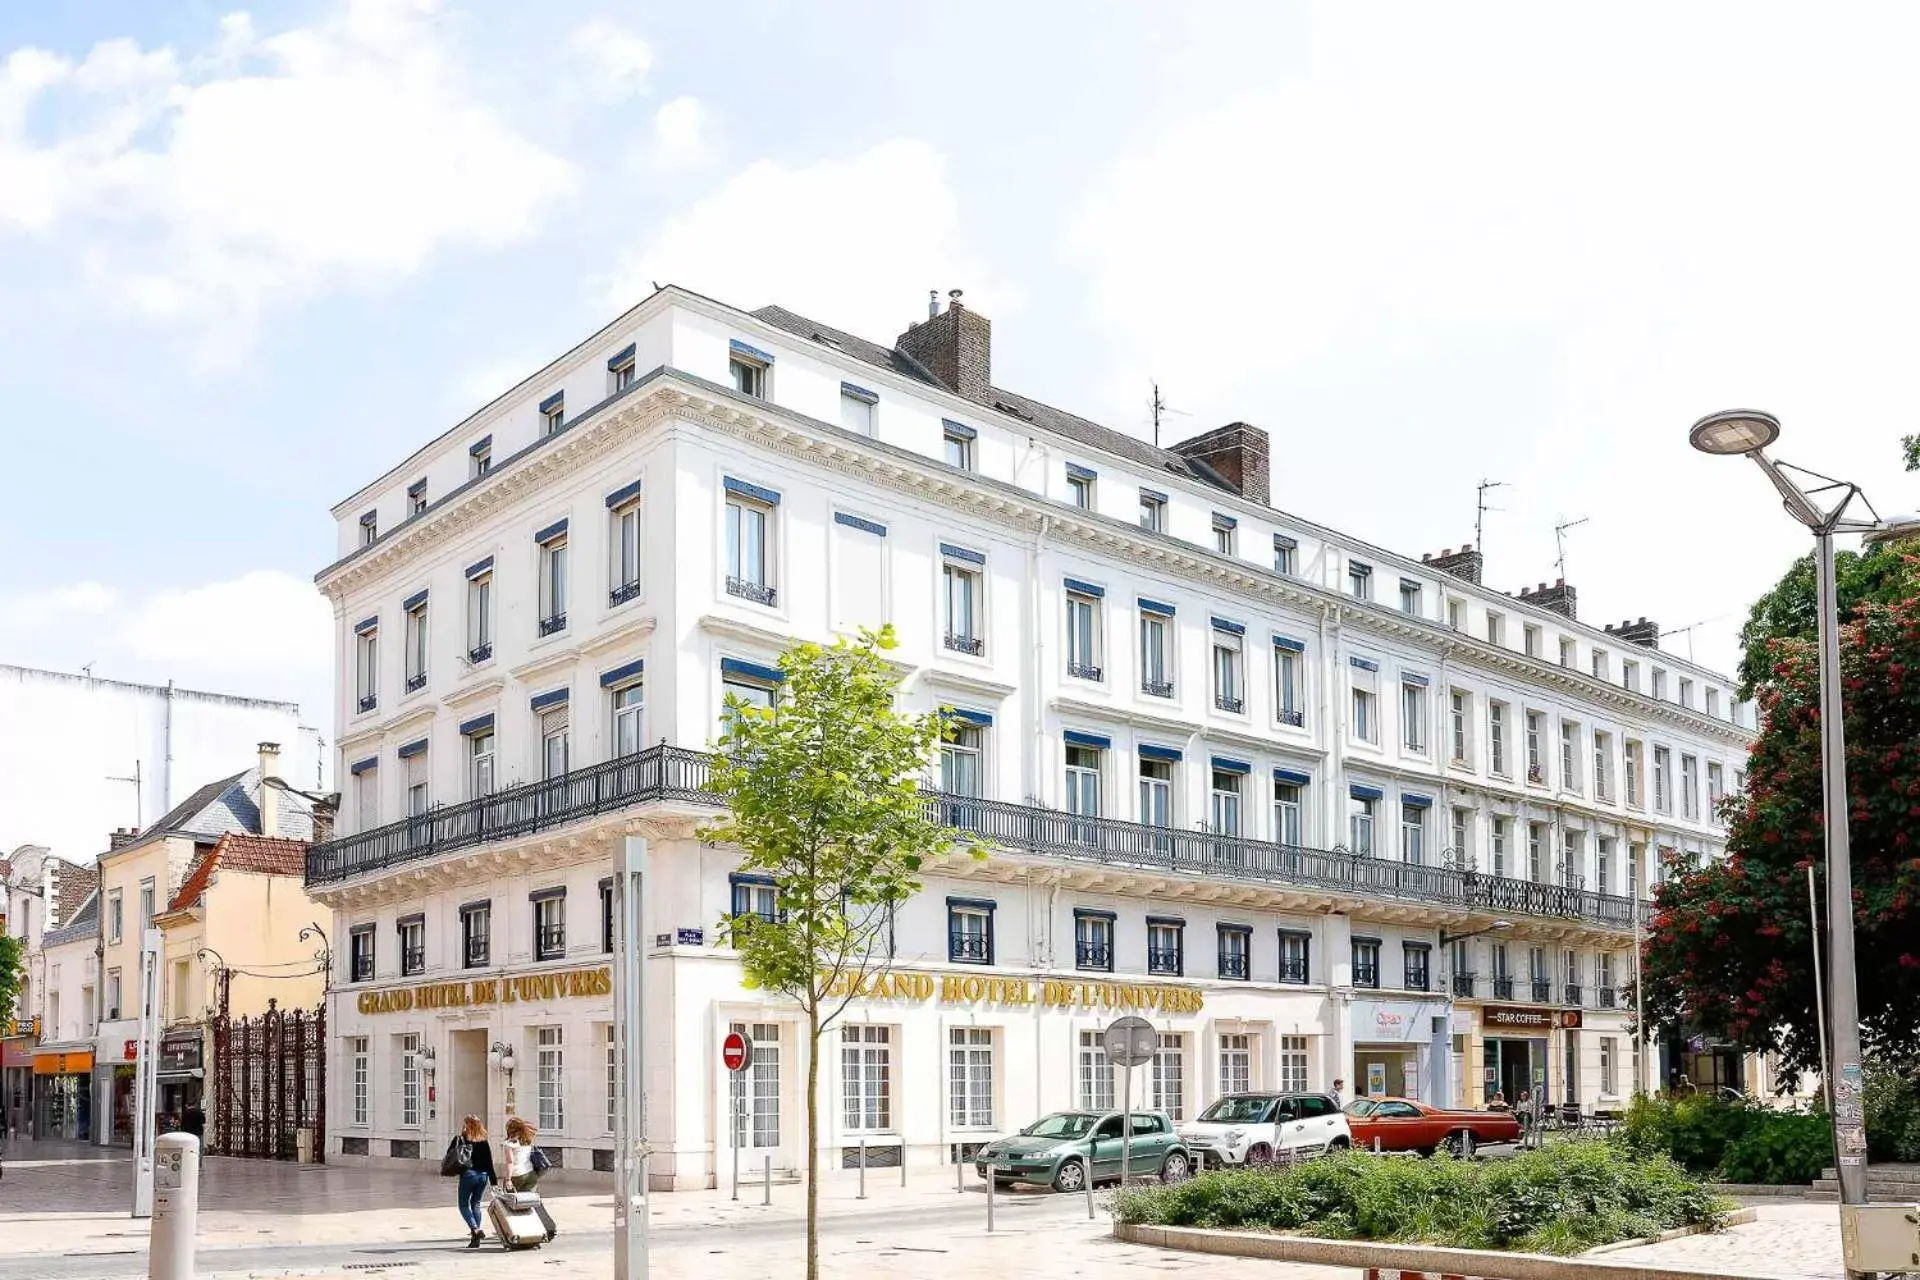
(1131, 1041)
(736, 1051)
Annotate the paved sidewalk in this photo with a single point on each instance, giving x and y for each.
(1797, 1239)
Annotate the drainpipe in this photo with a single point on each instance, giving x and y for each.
(1335, 739)
(1033, 641)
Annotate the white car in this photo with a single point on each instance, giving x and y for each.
(1259, 1129)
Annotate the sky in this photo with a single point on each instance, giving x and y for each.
(249, 259)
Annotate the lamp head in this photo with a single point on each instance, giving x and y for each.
(1734, 432)
(1500, 926)
(1895, 529)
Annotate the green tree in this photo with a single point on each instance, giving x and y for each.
(1910, 451)
(13, 964)
(1882, 575)
(823, 797)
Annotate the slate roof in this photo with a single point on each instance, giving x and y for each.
(1041, 414)
(228, 806)
(85, 924)
(262, 855)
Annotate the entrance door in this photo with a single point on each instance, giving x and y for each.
(753, 1095)
(467, 1080)
(1512, 1067)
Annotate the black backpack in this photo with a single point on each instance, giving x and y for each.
(459, 1158)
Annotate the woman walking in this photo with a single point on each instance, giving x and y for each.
(521, 1175)
(475, 1174)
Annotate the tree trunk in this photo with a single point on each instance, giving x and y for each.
(813, 1142)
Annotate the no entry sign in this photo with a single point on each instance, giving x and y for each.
(736, 1051)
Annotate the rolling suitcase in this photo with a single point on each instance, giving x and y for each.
(519, 1219)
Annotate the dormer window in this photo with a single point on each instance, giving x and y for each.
(553, 413)
(747, 369)
(620, 370)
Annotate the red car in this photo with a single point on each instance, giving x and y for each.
(1402, 1124)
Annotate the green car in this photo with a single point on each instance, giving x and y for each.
(1055, 1151)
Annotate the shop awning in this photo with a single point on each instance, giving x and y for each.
(77, 1063)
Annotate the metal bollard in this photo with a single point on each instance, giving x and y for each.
(766, 1182)
(1376, 1144)
(1086, 1163)
(903, 1162)
(863, 1170)
(959, 1177)
(990, 1181)
(176, 1207)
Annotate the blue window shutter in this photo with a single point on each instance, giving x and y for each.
(417, 747)
(479, 567)
(853, 391)
(552, 531)
(552, 698)
(1227, 765)
(1293, 776)
(740, 670)
(740, 348)
(952, 552)
(480, 446)
(1288, 642)
(361, 766)
(365, 625)
(622, 674)
(1169, 755)
(957, 430)
(623, 495)
(860, 523)
(623, 356)
(1075, 738)
(1231, 628)
(1085, 588)
(553, 402)
(759, 494)
(978, 719)
(1360, 791)
(1154, 606)
(1077, 472)
(1411, 800)
(413, 602)
(479, 724)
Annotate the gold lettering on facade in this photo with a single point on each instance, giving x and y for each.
(954, 988)
(568, 984)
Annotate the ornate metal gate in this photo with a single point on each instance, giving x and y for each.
(270, 1084)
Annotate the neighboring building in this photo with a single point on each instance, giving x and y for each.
(1241, 773)
(140, 879)
(44, 894)
(60, 1100)
(111, 752)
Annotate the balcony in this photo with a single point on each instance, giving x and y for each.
(1502, 987)
(758, 592)
(1366, 975)
(415, 683)
(1157, 688)
(558, 622)
(1227, 702)
(967, 948)
(1294, 969)
(1463, 985)
(1536, 775)
(1571, 995)
(1542, 990)
(368, 702)
(673, 774)
(1608, 997)
(624, 592)
(972, 645)
(1295, 719)
(1163, 960)
(413, 960)
(480, 652)
(550, 942)
(1417, 980)
(1084, 671)
(1093, 955)
(1233, 966)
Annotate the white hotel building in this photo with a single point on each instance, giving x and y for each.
(1237, 771)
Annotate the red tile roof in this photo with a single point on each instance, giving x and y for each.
(262, 855)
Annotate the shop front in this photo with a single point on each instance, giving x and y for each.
(1399, 1049)
(1516, 1053)
(63, 1099)
(16, 1075)
(181, 1077)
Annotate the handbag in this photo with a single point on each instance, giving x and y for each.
(459, 1158)
(538, 1161)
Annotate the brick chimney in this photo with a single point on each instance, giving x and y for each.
(956, 346)
(1558, 598)
(1464, 564)
(269, 798)
(122, 836)
(1238, 451)
(1643, 633)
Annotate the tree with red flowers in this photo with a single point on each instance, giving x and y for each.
(1729, 948)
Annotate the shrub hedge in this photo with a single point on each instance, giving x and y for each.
(1733, 1141)
(1565, 1199)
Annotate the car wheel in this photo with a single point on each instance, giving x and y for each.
(1340, 1144)
(1070, 1177)
(1176, 1167)
(1459, 1145)
(1259, 1156)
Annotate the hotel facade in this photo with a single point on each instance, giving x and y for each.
(1241, 774)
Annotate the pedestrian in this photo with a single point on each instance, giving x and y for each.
(1498, 1102)
(469, 1156)
(521, 1136)
(1338, 1085)
(195, 1123)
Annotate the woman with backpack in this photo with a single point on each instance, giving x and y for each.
(469, 1156)
(525, 1161)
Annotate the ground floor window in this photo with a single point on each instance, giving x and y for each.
(970, 1062)
(550, 1080)
(1293, 1064)
(1096, 1078)
(613, 1077)
(1236, 1063)
(866, 1077)
(755, 1092)
(362, 1067)
(1166, 1081)
(409, 1051)
(1609, 1066)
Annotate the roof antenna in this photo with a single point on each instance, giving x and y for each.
(1160, 408)
(1480, 514)
(1560, 545)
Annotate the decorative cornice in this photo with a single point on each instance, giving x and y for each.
(476, 693)
(639, 629)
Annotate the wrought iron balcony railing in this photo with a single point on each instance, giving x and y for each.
(368, 701)
(1157, 688)
(1233, 965)
(974, 645)
(480, 652)
(1417, 980)
(1607, 997)
(1092, 955)
(1294, 969)
(1227, 702)
(1163, 960)
(1572, 995)
(549, 625)
(758, 592)
(673, 774)
(1294, 717)
(416, 682)
(1502, 987)
(968, 948)
(1542, 990)
(1463, 985)
(1084, 671)
(624, 592)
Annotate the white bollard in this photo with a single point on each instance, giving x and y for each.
(1086, 1164)
(176, 1207)
(863, 1170)
(990, 1181)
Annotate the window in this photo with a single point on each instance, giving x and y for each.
(1229, 687)
(1413, 833)
(1571, 964)
(1686, 692)
(1236, 1063)
(1236, 952)
(1360, 823)
(476, 935)
(623, 560)
(361, 1069)
(1153, 511)
(1083, 780)
(1659, 685)
(1413, 715)
(749, 548)
(1095, 1077)
(620, 376)
(1457, 615)
(550, 1083)
(369, 528)
(1156, 791)
(748, 375)
(1536, 762)
(1630, 674)
(1289, 698)
(1716, 788)
(366, 664)
(960, 759)
(360, 945)
(1531, 635)
(115, 926)
(756, 896)
(969, 931)
(1359, 580)
(553, 582)
(1603, 864)
(961, 592)
(555, 732)
(1633, 774)
(957, 443)
(113, 994)
(1496, 629)
(480, 763)
(866, 1077)
(1224, 801)
(480, 458)
(1285, 554)
(629, 708)
(1457, 852)
(1635, 853)
(417, 797)
(1225, 533)
(1083, 634)
(1599, 665)
(1166, 946)
(1536, 852)
(553, 413)
(1459, 707)
(1166, 1076)
(181, 984)
(1603, 977)
(409, 1058)
(1498, 846)
(758, 688)
(606, 916)
(1417, 960)
(1689, 790)
(1609, 1072)
(1567, 654)
(1366, 962)
(1713, 702)
(1569, 755)
(480, 616)
(1093, 940)
(417, 497)
(366, 794)
(1572, 857)
(1409, 597)
(970, 1077)
(1156, 652)
(1497, 737)
(857, 406)
(1363, 718)
(1080, 483)
(413, 945)
(1602, 765)
(1296, 956)
(1286, 812)
(1662, 765)
(550, 925)
(1293, 1064)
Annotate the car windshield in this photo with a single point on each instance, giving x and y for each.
(1360, 1107)
(1064, 1124)
(1241, 1110)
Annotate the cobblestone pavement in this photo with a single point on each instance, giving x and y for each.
(1796, 1239)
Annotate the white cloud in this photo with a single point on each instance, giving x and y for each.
(856, 242)
(617, 61)
(680, 130)
(342, 155)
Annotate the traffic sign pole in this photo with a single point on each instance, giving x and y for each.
(736, 1055)
(1128, 1042)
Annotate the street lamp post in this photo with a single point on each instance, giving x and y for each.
(1748, 432)
(1446, 949)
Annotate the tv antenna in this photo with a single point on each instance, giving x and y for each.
(1688, 631)
(1160, 408)
(139, 809)
(1560, 545)
(1480, 513)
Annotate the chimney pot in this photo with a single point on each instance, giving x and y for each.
(269, 803)
(953, 300)
(933, 303)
